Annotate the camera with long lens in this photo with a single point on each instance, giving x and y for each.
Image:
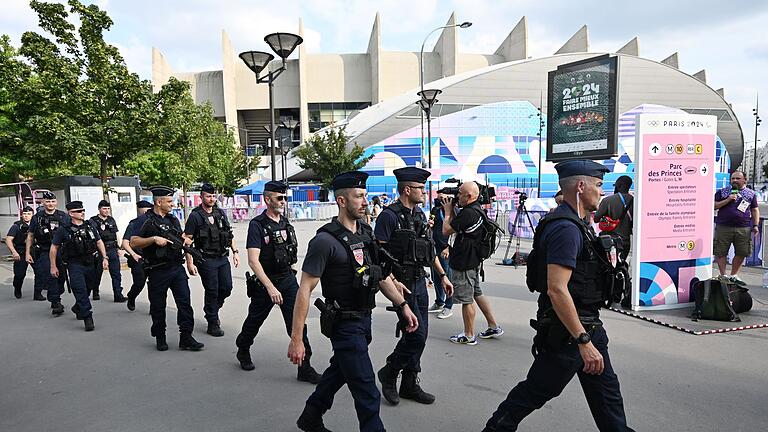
(487, 193)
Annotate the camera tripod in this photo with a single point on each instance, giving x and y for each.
(520, 212)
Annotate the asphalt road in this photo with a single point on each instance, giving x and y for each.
(56, 377)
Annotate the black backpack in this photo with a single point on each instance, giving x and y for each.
(491, 238)
(712, 301)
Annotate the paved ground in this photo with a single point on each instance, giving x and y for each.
(57, 377)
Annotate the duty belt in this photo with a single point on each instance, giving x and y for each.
(345, 315)
(111, 244)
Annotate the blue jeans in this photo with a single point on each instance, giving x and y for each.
(440, 297)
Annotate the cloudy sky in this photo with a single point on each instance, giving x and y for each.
(727, 38)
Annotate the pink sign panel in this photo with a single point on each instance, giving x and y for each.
(673, 218)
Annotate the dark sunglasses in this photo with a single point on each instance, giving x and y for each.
(78, 211)
(281, 197)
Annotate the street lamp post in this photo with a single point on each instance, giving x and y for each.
(465, 24)
(756, 113)
(283, 45)
(427, 101)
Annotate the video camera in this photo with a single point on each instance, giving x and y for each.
(523, 196)
(487, 193)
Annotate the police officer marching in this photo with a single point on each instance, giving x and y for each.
(566, 266)
(107, 227)
(163, 264)
(344, 257)
(41, 230)
(211, 233)
(272, 250)
(135, 260)
(402, 229)
(16, 240)
(81, 245)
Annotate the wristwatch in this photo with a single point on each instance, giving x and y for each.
(582, 339)
(442, 275)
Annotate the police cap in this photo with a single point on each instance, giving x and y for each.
(49, 195)
(74, 205)
(161, 191)
(27, 209)
(208, 188)
(275, 186)
(411, 174)
(104, 203)
(350, 179)
(580, 167)
(143, 204)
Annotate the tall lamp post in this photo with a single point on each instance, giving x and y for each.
(427, 101)
(465, 24)
(756, 113)
(283, 45)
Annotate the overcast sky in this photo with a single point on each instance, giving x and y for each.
(727, 38)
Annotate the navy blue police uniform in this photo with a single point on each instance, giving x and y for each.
(338, 256)
(212, 236)
(107, 228)
(165, 270)
(138, 277)
(278, 251)
(80, 254)
(405, 234)
(19, 231)
(43, 226)
(563, 238)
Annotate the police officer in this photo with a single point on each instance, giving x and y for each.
(107, 227)
(16, 240)
(343, 255)
(135, 260)
(565, 267)
(402, 229)
(81, 248)
(209, 229)
(41, 230)
(272, 250)
(163, 263)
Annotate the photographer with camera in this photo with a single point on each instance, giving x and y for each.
(465, 261)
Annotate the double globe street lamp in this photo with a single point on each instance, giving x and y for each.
(283, 44)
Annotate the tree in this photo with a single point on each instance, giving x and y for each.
(327, 155)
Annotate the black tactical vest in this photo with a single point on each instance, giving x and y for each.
(46, 226)
(354, 287)
(410, 243)
(212, 239)
(20, 240)
(81, 246)
(107, 230)
(586, 285)
(279, 249)
(155, 256)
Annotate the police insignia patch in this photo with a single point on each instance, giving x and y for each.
(359, 257)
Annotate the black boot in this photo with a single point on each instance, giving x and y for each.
(119, 298)
(214, 329)
(187, 342)
(161, 344)
(57, 309)
(388, 378)
(76, 310)
(131, 303)
(307, 373)
(311, 419)
(96, 295)
(39, 297)
(17, 292)
(244, 357)
(410, 389)
(89, 323)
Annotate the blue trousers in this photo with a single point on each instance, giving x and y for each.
(216, 276)
(80, 277)
(550, 373)
(440, 297)
(351, 365)
(407, 353)
(44, 280)
(114, 273)
(161, 279)
(139, 279)
(19, 272)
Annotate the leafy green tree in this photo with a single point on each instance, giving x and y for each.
(329, 154)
